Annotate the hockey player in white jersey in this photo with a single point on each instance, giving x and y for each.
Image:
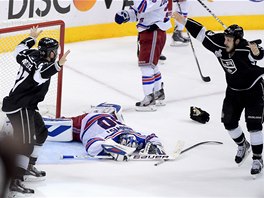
(153, 19)
(104, 123)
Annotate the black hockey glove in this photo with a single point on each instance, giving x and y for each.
(199, 115)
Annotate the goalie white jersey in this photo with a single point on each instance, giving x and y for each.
(98, 127)
(150, 12)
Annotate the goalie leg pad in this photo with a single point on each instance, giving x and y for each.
(59, 129)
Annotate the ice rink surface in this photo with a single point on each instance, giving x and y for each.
(106, 71)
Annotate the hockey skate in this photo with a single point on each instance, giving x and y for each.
(242, 153)
(160, 97)
(147, 104)
(17, 189)
(257, 167)
(33, 174)
(178, 39)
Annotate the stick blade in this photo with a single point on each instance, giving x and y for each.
(206, 79)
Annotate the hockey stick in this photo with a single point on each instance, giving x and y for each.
(204, 78)
(127, 3)
(176, 153)
(212, 14)
(191, 147)
(258, 41)
(130, 157)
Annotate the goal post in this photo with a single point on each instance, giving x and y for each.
(10, 37)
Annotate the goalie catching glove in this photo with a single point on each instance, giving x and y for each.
(199, 115)
(120, 151)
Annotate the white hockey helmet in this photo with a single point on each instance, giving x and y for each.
(114, 109)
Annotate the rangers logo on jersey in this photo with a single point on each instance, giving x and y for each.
(229, 65)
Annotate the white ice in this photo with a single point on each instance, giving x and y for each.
(106, 71)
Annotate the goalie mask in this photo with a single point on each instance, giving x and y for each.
(113, 109)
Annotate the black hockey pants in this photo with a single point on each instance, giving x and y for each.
(252, 101)
(28, 130)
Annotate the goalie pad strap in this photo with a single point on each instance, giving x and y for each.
(111, 146)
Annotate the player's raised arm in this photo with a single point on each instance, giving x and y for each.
(34, 32)
(64, 58)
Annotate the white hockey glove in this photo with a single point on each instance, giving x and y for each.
(128, 140)
(153, 148)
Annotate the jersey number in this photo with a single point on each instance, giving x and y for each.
(21, 76)
(106, 122)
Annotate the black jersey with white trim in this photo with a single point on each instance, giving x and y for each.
(33, 78)
(240, 67)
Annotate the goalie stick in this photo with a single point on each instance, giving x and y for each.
(129, 157)
(176, 153)
(189, 148)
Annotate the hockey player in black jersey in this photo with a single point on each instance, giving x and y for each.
(37, 66)
(245, 85)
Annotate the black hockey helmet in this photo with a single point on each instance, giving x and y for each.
(46, 45)
(234, 31)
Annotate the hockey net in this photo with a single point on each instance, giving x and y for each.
(10, 37)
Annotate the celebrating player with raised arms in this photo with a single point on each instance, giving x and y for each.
(238, 58)
(36, 67)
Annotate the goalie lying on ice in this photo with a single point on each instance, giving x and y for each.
(105, 122)
(102, 132)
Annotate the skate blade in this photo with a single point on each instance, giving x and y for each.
(160, 103)
(161, 62)
(147, 108)
(18, 195)
(246, 155)
(33, 179)
(255, 176)
(178, 44)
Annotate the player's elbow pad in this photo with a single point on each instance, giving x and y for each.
(193, 27)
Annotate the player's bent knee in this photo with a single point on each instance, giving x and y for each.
(43, 135)
(230, 126)
(253, 126)
(25, 149)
